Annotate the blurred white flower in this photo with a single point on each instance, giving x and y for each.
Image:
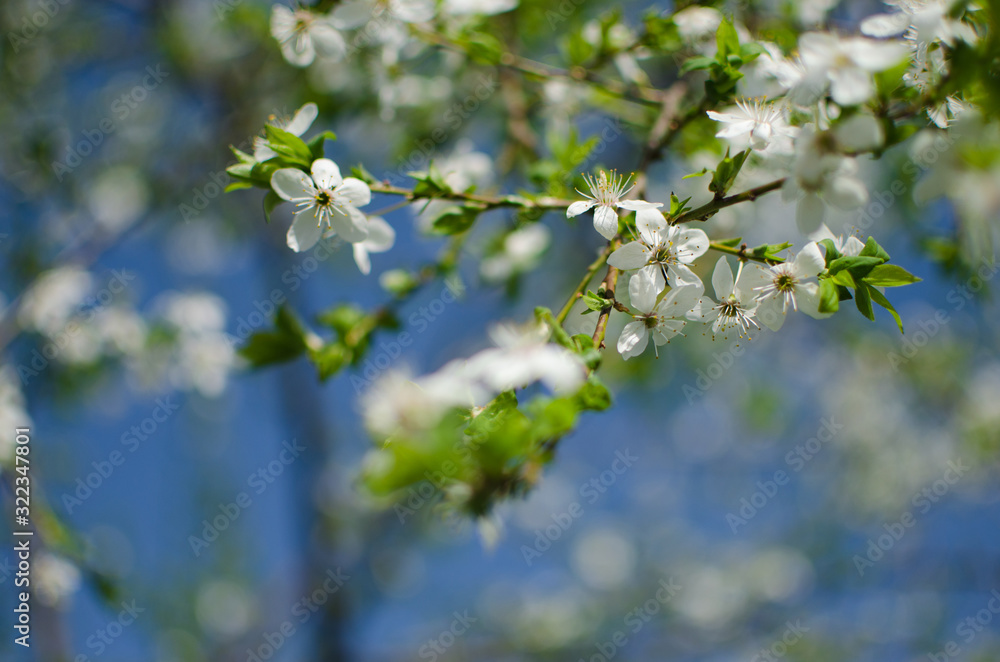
(483, 7)
(696, 22)
(522, 250)
(925, 21)
(819, 176)
(55, 578)
(53, 299)
(302, 34)
(846, 64)
(13, 412)
(757, 124)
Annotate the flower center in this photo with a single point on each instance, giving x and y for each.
(324, 198)
(785, 282)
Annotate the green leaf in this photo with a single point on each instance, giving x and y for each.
(362, 173)
(735, 242)
(844, 279)
(315, 144)
(455, 220)
(288, 145)
(853, 262)
(829, 299)
(236, 186)
(594, 395)
(727, 40)
(267, 347)
(890, 275)
(696, 63)
(880, 299)
(329, 359)
(872, 249)
(342, 318)
(831, 250)
(726, 172)
(864, 302)
(271, 200)
(595, 303)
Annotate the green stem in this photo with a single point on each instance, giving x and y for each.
(582, 287)
(487, 202)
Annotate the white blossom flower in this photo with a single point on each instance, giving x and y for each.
(302, 34)
(737, 303)
(757, 124)
(607, 193)
(848, 246)
(381, 238)
(326, 197)
(203, 355)
(53, 299)
(846, 64)
(57, 579)
(355, 13)
(819, 176)
(297, 126)
(662, 320)
(522, 250)
(925, 21)
(786, 287)
(662, 250)
(697, 22)
(481, 7)
(523, 356)
(13, 411)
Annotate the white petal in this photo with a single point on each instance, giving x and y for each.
(680, 301)
(352, 14)
(691, 244)
(606, 221)
(850, 86)
(876, 55)
(649, 221)
(355, 191)
(809, 213)
(361, 258)
(752, 276)
(885, 25)
(326, 174)
(726, 117)
(655, 273)
(735, 130)
(642, 292)
(292, 184)
(722, 279)
(329, 42)
(299, 50)
(845, 192)
(381, 235)
(859, 133)
(303, 119)
(770, 312)
(853, 246)
(349, 224)
(632, 255)
(282, 22)
(633, 340)
(304, 232)
(666, 330)
(809, 262)
(704, 311)
(680, 275)
(807, 299)
(579, 207)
